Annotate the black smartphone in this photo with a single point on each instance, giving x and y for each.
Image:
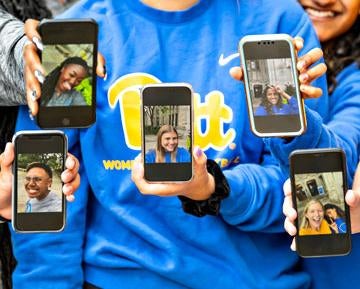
(167, 130)
(323, 222)
(271, 84)
(69, 57)
(38, 201)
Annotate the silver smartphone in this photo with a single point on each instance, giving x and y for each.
(275, 106)
(167, 132)
(38, 204)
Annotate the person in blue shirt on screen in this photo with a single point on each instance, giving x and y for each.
(166, 148)
(276, 101)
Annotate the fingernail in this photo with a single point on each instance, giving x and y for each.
(105, 77)
(303, 77)
(39, 76)
(30, 115)
(38, 43)
(301, 64)
(70, 163)
(198, 152)
(70, 198)
(303, 88)
(33, 95)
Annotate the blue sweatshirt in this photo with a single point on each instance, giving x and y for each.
(117, 238)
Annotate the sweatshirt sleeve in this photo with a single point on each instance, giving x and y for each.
(256, 196)
(54, 260)
(12, 40)
(340, 128)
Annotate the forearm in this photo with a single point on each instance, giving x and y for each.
(12, 40)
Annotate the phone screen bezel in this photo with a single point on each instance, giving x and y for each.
(272, 47)
(162, 95)
(69, 31)
(320, 161)
(38, 142)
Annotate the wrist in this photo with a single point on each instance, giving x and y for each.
(218, 186)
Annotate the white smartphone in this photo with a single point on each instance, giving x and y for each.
(275, 106)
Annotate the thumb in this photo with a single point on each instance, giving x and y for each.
(6, 158)
(199, 158)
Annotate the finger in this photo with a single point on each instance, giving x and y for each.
(69, 188)
(293, 245)
(309, 91)
(199, 159)
(32, 67)
(30, 29)
(308, 59)
(288, 209)
(7, 158)
(313, 73)
(72, 163)
(68, 191)
(352, 198)
(298, 43)
(100, 67)
(236, 72)
(287, 188)
(289, 227)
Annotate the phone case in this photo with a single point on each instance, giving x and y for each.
(265, 42)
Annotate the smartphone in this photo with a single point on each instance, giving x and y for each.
(167, 130)
(323, 222)
(38, 203)
(275, 106)
(69, 57)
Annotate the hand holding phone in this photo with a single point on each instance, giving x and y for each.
(323, 220)
(38, 201)
(69, 57)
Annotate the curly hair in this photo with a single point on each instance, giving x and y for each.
(341, 52)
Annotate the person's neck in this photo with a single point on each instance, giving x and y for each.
(170, 5)
(43, 196)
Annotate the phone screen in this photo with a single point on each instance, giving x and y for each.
(39, 204)
(167, 132)
(273, 95)
(69, 59)
(323, 216)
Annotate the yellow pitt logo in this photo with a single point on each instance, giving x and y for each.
(214, 112)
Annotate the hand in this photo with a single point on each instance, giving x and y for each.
(200, 187)
(352, 198)
(6, 160)
(34, 71)
(307, 72)
(70, 178)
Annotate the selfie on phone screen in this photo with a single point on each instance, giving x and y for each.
(39, 183)
(69, 78)
(168, 141)
(323, 209)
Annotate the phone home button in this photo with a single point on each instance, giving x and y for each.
(66, 121)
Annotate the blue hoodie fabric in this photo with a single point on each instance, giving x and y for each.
(117, 238)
